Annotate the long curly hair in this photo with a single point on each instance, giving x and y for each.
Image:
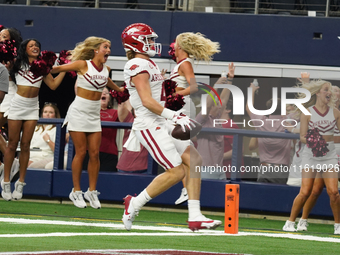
(198, 46)
(22, 58)
(85, 50)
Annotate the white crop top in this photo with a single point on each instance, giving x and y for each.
(324, 122)
(94, 79)
(180, 80)
(25, 77)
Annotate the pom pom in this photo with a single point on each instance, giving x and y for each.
(63, 59)
(7, 51)
(64, 56)
(43, 65)
(174, 103)
(316, 142)
(1, 27)
(49, 57)
(121, 97)
(172, 51)
(170, 87)
(40, 68)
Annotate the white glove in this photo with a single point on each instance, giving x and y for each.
(179, 118)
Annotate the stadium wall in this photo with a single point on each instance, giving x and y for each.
(243, 37)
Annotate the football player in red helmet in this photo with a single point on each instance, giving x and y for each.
(141, 38)
(150, 128)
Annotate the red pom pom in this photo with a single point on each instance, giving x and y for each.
(316, 142)
(174, 103)
(40, 68)
(63, 59)
(7, 51)
(64, 56)
(49, 57)
(170, 87)
(172, 51)
(1, 27)
(121, 97)
(43, 65)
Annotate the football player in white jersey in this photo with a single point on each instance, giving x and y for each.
(147, 96)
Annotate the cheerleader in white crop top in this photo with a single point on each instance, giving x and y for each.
(190, 47)
(83, 116)
(325, 118)
(182, 84)
(24, 113)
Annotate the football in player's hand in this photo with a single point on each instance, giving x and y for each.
(178, 133)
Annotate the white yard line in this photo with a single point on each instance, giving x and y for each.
(177, 231)
(119, 251)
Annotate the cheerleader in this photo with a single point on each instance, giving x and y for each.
(189, 47)
(325, 118)
(83, 116)
(319, 183)
(23, 113)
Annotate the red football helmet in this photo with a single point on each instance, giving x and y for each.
(136, 38)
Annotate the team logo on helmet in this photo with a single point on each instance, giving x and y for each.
(141, 38)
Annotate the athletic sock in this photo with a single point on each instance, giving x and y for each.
(194, 209)
(141, 200)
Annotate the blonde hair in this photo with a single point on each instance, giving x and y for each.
(314, 87)
(85, 50)
(130, 54)
(198, 46)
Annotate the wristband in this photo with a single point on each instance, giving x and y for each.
(167, 113)
(48, 140)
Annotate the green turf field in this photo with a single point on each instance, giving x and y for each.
(39, 226)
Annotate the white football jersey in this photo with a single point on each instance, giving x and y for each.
(144, 118)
